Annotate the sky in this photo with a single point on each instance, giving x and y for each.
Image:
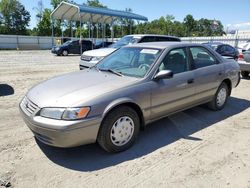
(233, 14)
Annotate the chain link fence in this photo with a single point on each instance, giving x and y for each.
(41, 43)
(231, 40)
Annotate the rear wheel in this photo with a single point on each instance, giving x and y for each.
(244, 74)
(119, 129)
(220, 98)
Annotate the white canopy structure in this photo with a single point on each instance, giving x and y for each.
(91, 15)
(83, 13)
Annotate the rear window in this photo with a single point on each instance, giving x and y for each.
(167, 39)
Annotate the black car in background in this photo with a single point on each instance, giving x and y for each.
(72, 47)
(225, 50)
(102, 44)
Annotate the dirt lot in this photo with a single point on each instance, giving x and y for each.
(194, 148)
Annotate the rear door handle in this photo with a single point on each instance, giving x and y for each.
(190, 81)
(220, 73)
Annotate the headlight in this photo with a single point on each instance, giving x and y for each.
(57, 48)
(65, 113)
(97, 58)
(54, 113)
(75, 113)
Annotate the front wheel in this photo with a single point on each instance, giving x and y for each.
(119, 129)
(220, 98)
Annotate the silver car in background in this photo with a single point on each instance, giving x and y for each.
(244, 62)
(127, 90)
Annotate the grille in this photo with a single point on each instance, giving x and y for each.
(86, 58)
(29, 107)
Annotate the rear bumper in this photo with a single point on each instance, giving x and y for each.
(244, 66)
(66, 133)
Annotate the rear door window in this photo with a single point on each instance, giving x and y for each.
(75, 43)
(230, 49)
(167, 39)
(148, 39)
(202, 57)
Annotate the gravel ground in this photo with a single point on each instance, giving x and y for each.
(194, 148)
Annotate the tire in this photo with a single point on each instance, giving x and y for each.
(65, 53)
(244, 74)
(220, 98)
(119, 129)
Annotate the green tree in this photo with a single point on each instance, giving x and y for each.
(15, 18)
(95, 3)
(55, 3)
(44, 26)
(190, 24)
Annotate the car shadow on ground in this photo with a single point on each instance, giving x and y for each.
(69, 55)
(158, 134)
(6, 90)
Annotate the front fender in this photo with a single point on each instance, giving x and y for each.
(117, 102)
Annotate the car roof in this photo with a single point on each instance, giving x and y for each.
(163, 45)
(152, 35)
(214, 44)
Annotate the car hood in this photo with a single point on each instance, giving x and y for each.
(58, 46)
(73, 89)
(99, 52)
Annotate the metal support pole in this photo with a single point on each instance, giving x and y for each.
(130, 27)
(122, 28)
(80, 34)
(89, 29)
(71, 29)
(103, 32)
(112, 30)
(97, 28)
(92, 30)
(138, 31)
(62, 31)
(52, 31)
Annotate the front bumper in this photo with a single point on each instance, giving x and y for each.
(87, 64)
(61, 133)
(57, 52)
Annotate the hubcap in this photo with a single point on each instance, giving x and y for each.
(65, 53)
(221, 97)
(122, 131)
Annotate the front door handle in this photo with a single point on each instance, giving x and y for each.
(190, 81)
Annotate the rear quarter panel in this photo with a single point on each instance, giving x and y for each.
(232, 71)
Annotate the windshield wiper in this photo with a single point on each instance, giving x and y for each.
(112, 71)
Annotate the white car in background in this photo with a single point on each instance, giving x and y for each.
(245, 45)
(91, 57)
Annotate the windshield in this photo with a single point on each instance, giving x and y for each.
(68, 42)
(124, 41)
(98, 42)
(130, 61)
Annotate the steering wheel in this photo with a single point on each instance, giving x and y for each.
(144, 66)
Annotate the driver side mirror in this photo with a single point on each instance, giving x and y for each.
(164, 74)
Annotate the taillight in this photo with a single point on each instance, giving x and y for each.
(241, 57)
